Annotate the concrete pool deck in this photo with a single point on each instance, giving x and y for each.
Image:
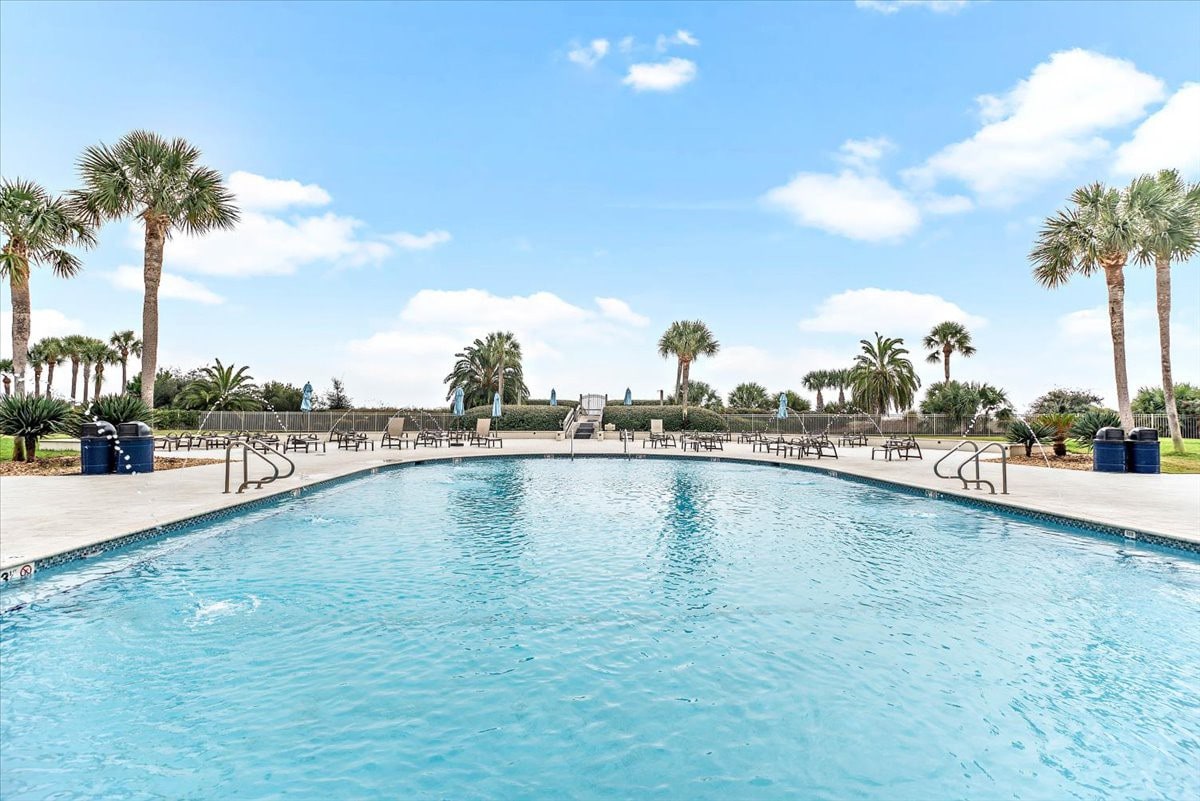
(41, 517)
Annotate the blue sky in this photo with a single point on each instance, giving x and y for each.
(797, 175)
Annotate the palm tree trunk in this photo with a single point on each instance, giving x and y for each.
(678, 378)
(99, 380)
(124, 379)
(1114, 277)
(683, 385)
(30, 447)
(841, 396)
(1162, 285)
(20, 326)
(49, 379)
(500, 378)
(152, 260)
(74, 376)
(87, 377)
(946, 361)
(7, 386)
(37, 381)
(820, 401)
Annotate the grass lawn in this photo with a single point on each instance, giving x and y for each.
(1188, 462)
(6, 449)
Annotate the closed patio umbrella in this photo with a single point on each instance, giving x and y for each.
(628, 397)
(306, 400)
(781, 413)
(553, 398)
(458, 410)
(496, 405)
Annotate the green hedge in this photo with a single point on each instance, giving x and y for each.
(520, 418)
(636, 418)
(620, 401)
(176, 418)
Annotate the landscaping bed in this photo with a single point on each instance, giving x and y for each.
(68, 465)
(1072, 461)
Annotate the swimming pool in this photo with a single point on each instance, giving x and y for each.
(603, 628)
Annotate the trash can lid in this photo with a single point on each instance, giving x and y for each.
(1144, 434)
(98, 428)
(133, 429)
(1108, 434)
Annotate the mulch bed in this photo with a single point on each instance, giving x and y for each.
(69, 465)
(1072, 461)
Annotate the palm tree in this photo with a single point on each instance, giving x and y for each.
(479, 371)
(882, 375)
(126, 344)
(6, 368)
(37, 357)
(161, 183)
(687, 340)
(102, 357)
(817, 381)
(91, 352)
(73, 347)
(992, 400)
(1095, 234)
(221, 388)
(944, 339)
(52, 356)
(36, 228)
(750, 396)
(1170, 211)
(841, 380)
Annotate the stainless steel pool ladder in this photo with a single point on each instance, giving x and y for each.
(974, 459)
(247, 449)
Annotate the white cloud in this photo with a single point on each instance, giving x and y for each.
(862, 154)
(425, 241)
(173, 286)
(946, 204)
(588, 55)
(619, 311)
(42, 323)
(1168, 138)
(663, 76)
(892, 6)
(1044, 127)
(270, 194)
(680, 37)
(849, 204)
(889, 311)
(626, 44)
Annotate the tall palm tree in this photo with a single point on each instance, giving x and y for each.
(126, 344)
(841, 381)
(52, 356)
(73, 347)
(817, 381)
(487, 365)
(1096, 233)
(161, 183)
(1170, 212)
(687, 340)
(221, 388)
(37, 228)
(944, 339)
(92, 351)
(36, 357)
(750, 396)
(6, 368)
(883, 376)
(102, 357)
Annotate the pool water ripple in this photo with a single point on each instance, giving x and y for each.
(607, 629)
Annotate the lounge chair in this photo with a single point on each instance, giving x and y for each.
(658, 437)
(395, 436)
(900, 448)
(484, 436)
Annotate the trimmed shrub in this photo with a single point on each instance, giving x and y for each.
(620, 401)
(520, 418)
(635, 418)
(176, 418)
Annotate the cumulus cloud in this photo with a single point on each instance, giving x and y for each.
(889, 311)
(42, 323)
(1044, 127)
(850, 204)
(173, 286)
(663, 76)
(588, 55)
(862, 154)
(1168, 138)
(425, 241)
(270, 194)
(619, 311)
(680, 37)
(893, 6)
(946, 204)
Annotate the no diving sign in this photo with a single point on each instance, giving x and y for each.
(16, 573)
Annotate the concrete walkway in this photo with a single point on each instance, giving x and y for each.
(44, 516)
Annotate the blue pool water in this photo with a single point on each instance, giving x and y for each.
(607, 629)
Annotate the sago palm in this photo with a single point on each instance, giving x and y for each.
(6, 368)
(883, 376)
(1170, 212)
(36, 228)
(687, 340)
(161, 183)
(1095, 234)
(126, 344)
(945, 339)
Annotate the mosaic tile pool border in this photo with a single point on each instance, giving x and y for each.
(178, 526)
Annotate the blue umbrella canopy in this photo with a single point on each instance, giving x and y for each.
(496, 405)
(783, 409)
(628, 397)
(553, 398)
(306, 401)
(458, 402)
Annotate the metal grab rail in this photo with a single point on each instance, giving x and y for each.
(957, 447)
(568, 430)
(977, 481)
(248, 448)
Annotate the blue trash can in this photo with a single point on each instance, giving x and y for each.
(135, 449)
(96, 449)
(1144, 454)
(1108, 451)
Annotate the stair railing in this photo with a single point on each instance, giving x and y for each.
(248, 449)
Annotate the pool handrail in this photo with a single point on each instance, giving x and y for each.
(977, 481)
(248, 448)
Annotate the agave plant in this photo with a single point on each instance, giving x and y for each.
(118, 408)
(1028, 434)
(28, 418)
(1085, 426)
